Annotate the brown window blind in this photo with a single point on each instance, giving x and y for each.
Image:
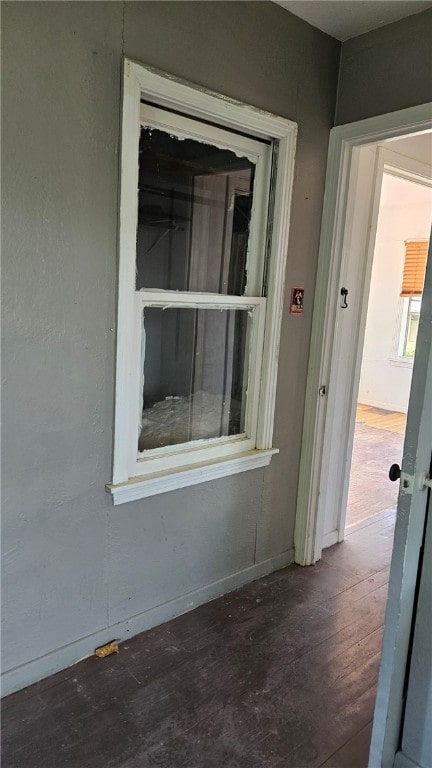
(415, 267)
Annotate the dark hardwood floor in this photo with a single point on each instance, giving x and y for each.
(280, 673)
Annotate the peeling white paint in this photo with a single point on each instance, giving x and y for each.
(406, 483)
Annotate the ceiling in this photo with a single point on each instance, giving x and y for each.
(417, 147)
(344, 19)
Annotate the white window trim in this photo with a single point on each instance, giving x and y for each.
(407, 359)
(404, 306)
(398, 358)
(140, 82)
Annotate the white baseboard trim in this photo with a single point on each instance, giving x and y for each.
(35, 670)
(330, 538)
(397, 408)
(371, 520)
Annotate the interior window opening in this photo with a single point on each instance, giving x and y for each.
(194, 211)
(204, 220)
(412, 324)
(194, 375)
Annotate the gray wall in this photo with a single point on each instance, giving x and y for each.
(78, 572)
(386, 69)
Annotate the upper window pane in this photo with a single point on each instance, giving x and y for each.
(194, 210)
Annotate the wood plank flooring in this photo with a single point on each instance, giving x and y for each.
(378, 443)
(391, 421)
(279, 674)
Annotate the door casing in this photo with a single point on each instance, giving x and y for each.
(325, 360)
(368, 168)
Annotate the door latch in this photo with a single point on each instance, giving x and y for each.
(407, 481)
(426, 482)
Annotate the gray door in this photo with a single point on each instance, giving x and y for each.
(416, 742)
(402, 729)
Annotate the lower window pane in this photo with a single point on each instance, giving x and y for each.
(195, 375)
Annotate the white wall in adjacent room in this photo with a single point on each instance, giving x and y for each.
(405, 214)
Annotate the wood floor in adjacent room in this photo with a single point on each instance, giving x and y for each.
(378, 443)
(281, 673)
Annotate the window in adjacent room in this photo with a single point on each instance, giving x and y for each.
(411, 293)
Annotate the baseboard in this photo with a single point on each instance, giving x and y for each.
(330, 538)
(382, 406)
(35, 670)
(354, 527)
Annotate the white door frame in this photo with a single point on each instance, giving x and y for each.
(342, 170)
(367, 170)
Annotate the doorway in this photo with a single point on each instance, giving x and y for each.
(395, 293)
(379, 219)
(359, 153)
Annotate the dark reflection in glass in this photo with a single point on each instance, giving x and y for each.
(194, 209)
(195, 374)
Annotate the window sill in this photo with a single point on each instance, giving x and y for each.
(162, 482)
